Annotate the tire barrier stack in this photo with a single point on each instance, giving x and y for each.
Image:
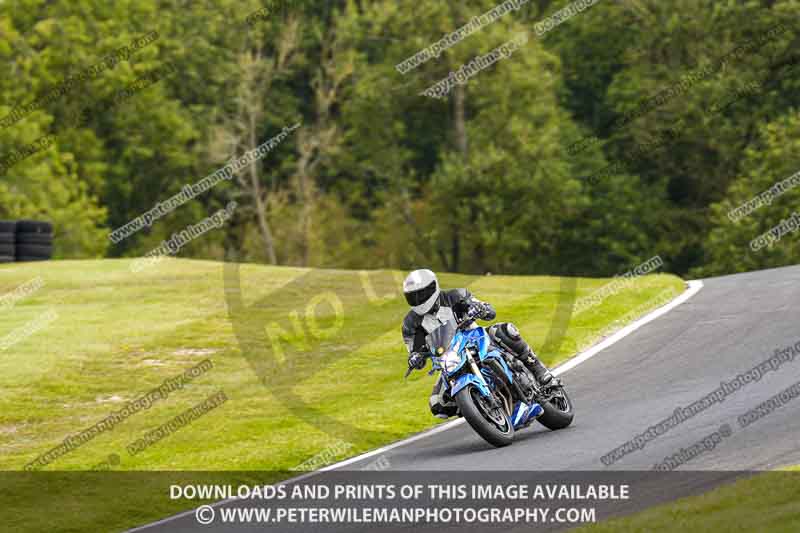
(25, 240)
(34, 240)
(8, 230)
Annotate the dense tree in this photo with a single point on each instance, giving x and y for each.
(626, 131)
(765, 184)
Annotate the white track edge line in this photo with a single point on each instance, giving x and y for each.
(694, 287)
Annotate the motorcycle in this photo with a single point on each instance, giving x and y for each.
(494, 391)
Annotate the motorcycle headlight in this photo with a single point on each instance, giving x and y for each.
(451, 361)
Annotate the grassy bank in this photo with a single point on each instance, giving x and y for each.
(334, 389)
(768, 502)
(118, 335)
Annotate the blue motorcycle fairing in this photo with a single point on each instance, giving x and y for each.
(476, 336)
(479, 338)
(472, 337)
(466, 379)
(524, 414)
(494, 354)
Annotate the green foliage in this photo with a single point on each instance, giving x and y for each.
(378, 175)
(766, 163)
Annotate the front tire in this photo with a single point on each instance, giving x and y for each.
(558, 411)
(494, 426)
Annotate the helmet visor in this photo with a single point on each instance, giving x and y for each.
(420, 296)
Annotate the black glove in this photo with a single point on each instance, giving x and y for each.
(416, 360)
(476, 310)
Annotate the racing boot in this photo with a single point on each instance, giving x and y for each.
(506, 334)
(542, 374)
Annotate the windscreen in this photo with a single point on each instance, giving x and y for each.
(441, 337)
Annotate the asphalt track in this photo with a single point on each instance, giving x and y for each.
(733, 324)
(730, 326)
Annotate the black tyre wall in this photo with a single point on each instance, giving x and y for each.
(7, 238)
(33, 240)
(44, 251)
(34, 226)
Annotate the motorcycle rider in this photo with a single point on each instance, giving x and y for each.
(430, 307)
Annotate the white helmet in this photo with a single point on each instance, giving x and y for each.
(422, 290)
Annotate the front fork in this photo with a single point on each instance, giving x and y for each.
(479, 375)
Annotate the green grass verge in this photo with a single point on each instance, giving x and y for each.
(768, 502)
(119, 334)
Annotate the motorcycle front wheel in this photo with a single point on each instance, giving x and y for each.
(489, 422)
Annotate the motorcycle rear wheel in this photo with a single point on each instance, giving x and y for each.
(490, 423)
(558, 412)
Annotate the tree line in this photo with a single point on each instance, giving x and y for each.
(628, 130)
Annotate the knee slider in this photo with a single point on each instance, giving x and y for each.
(512, 331)
(509, 335)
